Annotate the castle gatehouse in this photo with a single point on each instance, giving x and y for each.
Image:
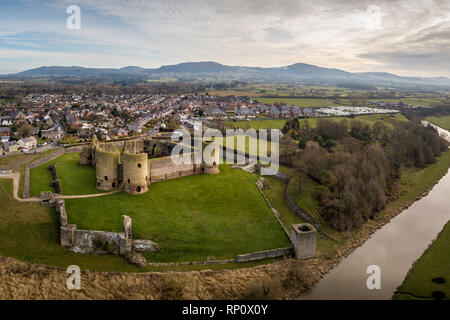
(141, 162)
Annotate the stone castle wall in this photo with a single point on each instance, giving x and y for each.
(273, 253)
(160, 169)
(143, 161)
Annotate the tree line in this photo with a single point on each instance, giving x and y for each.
(357, 163)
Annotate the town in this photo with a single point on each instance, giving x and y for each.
(39, 122)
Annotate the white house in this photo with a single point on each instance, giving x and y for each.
(27, 143)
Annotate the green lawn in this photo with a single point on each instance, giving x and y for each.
(274, 193)
(228, 142)
(30, 232)
(74, 179)
(257, 124)
(388, 119)
(308, 201)
(302, 102)
(307, 198)
(413, 101)
(191, 218)
(414, 182)
(434, 263)
(443, 122)
(19, 161)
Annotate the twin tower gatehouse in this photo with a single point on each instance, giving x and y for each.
(140, 163)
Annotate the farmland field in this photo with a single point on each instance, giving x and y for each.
(302, 102)
(443, 122)
(279, 123)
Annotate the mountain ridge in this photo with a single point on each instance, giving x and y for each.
(214, 71)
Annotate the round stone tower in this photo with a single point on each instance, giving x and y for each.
(211, 168)
(87, 155)
(107, 161)
(94, 141)
(135, 171)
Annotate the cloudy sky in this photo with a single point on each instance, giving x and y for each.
(410, 37)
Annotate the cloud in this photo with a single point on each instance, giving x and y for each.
(357, 35)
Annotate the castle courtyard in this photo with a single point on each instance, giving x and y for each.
(191, 218)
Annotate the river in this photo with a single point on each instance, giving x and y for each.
(393, 248)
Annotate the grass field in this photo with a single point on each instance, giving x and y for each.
(19, 161)
(412, 184)
(443, 122)
(74, 179)
(302, 102)
(284, 90)
(257, 124)
(30, 232)
(413, 101)
(191, 218)
(274, 193)
(228, 142)
(434, 263)
(262, 90)
(389, 119)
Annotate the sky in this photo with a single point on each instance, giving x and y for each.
(409, 37)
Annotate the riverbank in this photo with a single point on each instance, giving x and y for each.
(285, 279)
(383, 246)
(429, 277)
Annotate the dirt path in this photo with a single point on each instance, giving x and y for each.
(16, 182)
(92, 195)
(34, 164)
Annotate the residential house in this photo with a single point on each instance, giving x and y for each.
(5, 134)
(18, 116)
(11, 146)
(285, 111)
(120, 132)
(54, 132)
(6, 121)
(307, 111)
(296, 111)
(216, 113)
(274, 112)
(27, 143)
(243, 113)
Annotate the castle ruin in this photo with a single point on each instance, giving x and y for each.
(141, 162)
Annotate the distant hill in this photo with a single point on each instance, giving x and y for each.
(213, 71)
